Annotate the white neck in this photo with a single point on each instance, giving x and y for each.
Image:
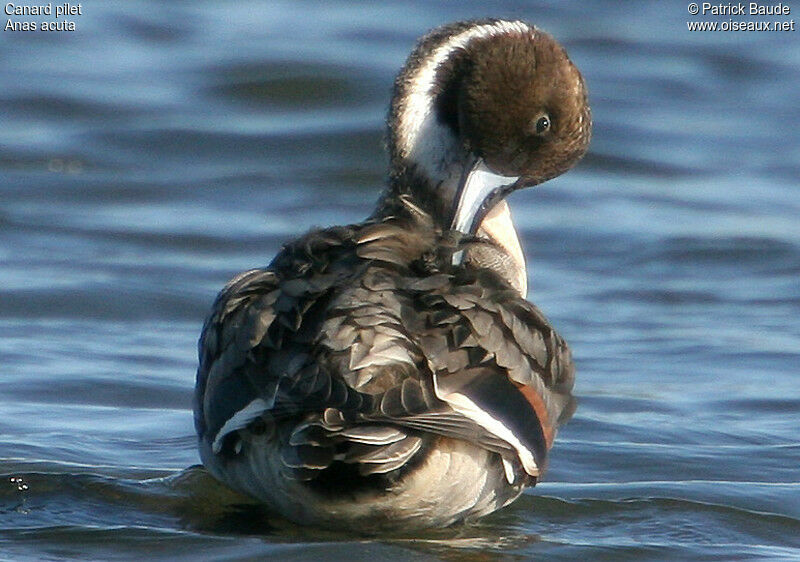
(499, 227)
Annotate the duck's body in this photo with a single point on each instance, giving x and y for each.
(390, 374)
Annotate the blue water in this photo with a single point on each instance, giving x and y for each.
(160, 148)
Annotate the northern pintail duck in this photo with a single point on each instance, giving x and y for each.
(390, 374)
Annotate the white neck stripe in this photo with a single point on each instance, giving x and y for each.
(417, 132)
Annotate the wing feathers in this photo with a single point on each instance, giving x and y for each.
(350, 337)
(497, 406)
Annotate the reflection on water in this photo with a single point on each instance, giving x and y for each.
(157, 150)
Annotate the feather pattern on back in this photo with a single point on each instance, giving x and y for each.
(360, 346)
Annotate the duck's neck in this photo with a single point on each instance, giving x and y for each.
(433, 193)
(497, 226)
(428, 159)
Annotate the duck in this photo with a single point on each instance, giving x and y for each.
(391, 374)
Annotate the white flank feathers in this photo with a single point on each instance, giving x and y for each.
(239, 420)
(466, 407)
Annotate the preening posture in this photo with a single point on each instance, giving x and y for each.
(390, 374)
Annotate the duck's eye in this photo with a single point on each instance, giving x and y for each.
(542, 124)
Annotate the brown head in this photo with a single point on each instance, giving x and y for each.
(483, 108)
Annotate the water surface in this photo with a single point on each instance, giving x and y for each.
(160, 148)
